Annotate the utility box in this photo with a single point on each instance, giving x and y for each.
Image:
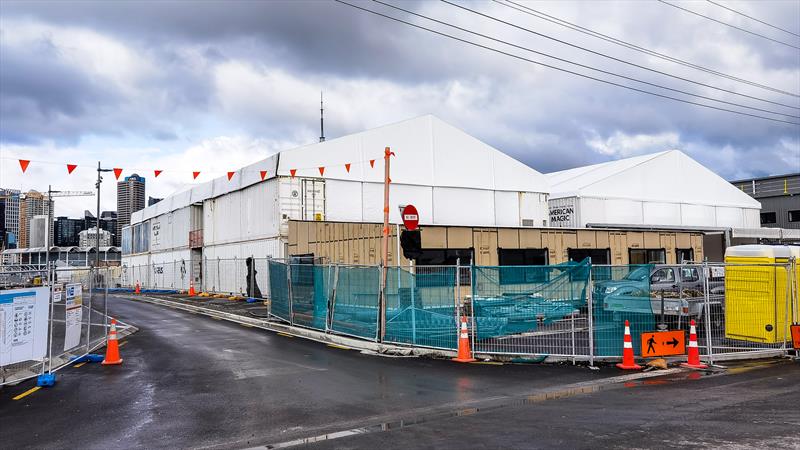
(757, 293)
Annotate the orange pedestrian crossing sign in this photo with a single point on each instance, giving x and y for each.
(663, 343)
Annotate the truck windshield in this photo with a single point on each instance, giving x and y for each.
(637, 275)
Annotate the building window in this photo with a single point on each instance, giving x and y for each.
(443, 257)
(684, 254)
(598, 255)
(647, 256)
(794, 216)
(522, 257)
(768, 218)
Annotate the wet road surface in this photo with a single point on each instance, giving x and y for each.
(191, 381)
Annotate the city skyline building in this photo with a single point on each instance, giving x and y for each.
(130, 198)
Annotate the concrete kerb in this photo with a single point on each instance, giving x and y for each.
(305, 333)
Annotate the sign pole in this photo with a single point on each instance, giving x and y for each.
(385, 257)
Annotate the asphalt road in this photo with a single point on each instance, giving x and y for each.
(189, 381)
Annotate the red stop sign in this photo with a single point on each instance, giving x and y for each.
(410, 217)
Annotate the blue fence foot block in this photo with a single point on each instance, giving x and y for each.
(94, 357)
(252, 300)
(46, 380)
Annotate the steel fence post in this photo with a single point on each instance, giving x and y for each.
(289, 288)
(707, 310)
(413, 286)
(92, 276)
(332, 300)
(105, 309)
(472, 310)
(50, 337)
(786, 316)
(590, 313)
(379, 332)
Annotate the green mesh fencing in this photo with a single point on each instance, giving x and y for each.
(311, 289)
(355, 306)
(529, 309)
(421, 307)
(279, 289)
(621, 293)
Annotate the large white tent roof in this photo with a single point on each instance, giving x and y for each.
(669, 176)
(428, 152)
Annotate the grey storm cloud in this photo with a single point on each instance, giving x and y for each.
(541, 117)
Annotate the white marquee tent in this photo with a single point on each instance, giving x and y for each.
(661, 189)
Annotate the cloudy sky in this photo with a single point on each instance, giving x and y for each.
(211, 86)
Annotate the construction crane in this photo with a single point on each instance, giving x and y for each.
(52, 194)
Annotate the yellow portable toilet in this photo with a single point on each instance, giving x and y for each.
(756, 294)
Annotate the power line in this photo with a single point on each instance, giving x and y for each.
(579, 64)
(753, 18)
(558, 21)
(728, 24)
(613, 58)
(522, 58)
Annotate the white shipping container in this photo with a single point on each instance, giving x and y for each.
(249, 214)
(225, 268)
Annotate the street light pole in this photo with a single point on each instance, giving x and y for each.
(97, 218)
(97, 227)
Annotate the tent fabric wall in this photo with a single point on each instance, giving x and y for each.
(662, 189)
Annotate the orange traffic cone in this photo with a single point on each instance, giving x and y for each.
(627, 351)
(464, 352)
(192, 293)
(112, 346)
(137, 290)
(694, 353)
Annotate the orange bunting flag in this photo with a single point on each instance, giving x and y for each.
(23, 164)
(293, 172)
(195, 175)
(347, 167)
(71, 167)
(230, 175)
(157, 173)
(117, 172)
(263, 175)
(372, 163)
(321, 171)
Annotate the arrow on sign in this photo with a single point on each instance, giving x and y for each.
(674, 343)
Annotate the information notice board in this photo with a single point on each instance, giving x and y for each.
(73, 316)
(24, 315)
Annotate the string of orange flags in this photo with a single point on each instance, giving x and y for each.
(24, 164)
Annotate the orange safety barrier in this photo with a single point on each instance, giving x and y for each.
(694, 353)
(628, 363)
(464, 352)
(112, 346)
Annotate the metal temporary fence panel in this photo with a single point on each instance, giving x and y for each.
(354, 309)
(531, 310)
(421, 306)
(311, 285)
(279, 289)
(621, 293)
(746, 308)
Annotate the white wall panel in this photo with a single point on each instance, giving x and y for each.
(534, 206)
(399, 194)
(249, 214)
(457, 206)
(506, 209)
(660, 213)
(343, 201)
(729, 217)
(698, 215)
(628, 212)
(752, 218)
